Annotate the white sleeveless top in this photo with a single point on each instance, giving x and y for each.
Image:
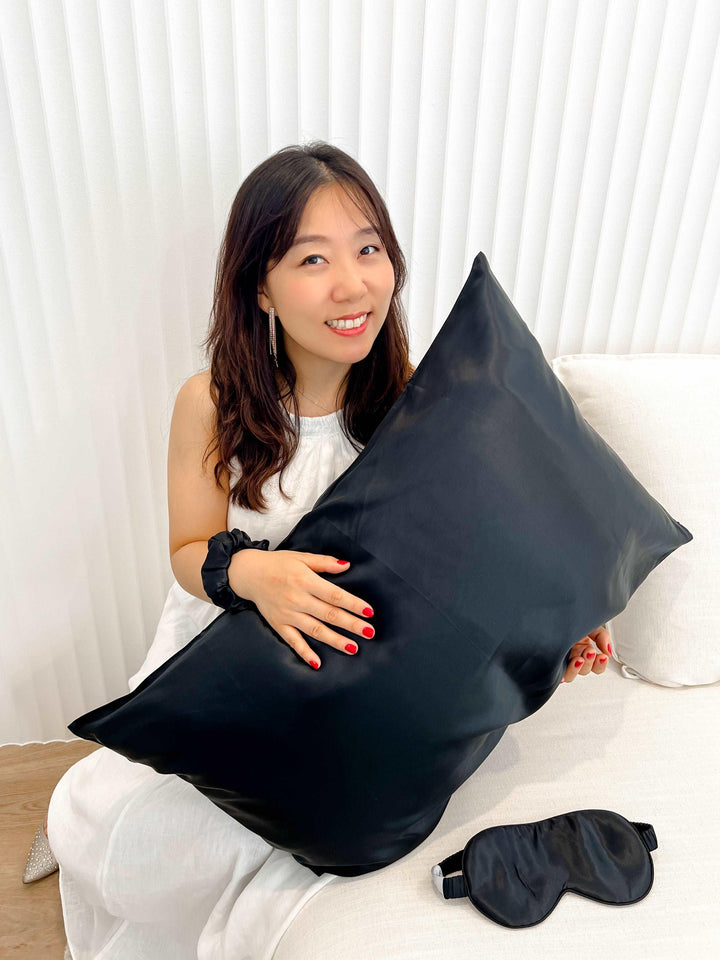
(323, 453)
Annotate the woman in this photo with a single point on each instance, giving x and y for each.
(149, 867)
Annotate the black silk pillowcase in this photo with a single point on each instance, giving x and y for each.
(491, 528)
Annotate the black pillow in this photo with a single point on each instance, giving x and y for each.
(491, 528)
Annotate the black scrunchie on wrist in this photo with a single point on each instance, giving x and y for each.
(214, 571)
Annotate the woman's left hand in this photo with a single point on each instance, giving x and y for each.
(589, 655)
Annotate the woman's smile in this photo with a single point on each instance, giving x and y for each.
(349, 328)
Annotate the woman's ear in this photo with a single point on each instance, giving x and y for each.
(263, 302)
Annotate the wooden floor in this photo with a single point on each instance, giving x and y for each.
(31, 923)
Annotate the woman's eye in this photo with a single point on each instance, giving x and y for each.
(314, 256)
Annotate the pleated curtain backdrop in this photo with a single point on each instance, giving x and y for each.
(574, 142)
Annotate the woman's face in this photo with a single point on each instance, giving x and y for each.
(345, 273)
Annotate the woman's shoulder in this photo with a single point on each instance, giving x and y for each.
(194, 406)
(198, 382)
(196, 389)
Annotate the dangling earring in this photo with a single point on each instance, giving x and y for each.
(273, 341)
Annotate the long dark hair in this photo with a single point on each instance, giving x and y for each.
(251, 424)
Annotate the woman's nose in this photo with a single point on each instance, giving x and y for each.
(349, 282)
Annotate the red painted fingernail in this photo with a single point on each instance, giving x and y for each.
(603, 659)
(609, 648)
(590, 654)
(343, 562)
(350, 647)
(368, 631)
(368, 612)
(314, 663)
(578, 663)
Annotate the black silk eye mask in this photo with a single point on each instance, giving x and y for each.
(516, 874)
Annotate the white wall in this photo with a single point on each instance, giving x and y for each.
(575, 143)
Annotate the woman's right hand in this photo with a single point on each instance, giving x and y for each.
(285, 587)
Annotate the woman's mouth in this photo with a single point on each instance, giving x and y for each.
(350, 328)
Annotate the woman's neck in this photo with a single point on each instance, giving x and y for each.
(309, 402)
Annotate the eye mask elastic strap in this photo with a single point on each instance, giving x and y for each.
(449, 887)
(453, 887)
(647, 834)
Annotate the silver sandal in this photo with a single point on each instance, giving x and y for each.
(40, 861)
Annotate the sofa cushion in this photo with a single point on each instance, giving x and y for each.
(491, 528)
(661, 414)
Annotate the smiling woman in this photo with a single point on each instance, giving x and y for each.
(146, 863)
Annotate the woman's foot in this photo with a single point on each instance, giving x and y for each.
(40, 860)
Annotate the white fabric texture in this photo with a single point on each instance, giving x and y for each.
(150, 868)
(661, 414)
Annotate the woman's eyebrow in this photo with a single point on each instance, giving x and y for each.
(314, 237)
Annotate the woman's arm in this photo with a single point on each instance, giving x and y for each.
(197, 507)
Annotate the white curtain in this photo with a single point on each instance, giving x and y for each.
(574, 142)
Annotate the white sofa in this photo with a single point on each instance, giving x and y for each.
(641, 740)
